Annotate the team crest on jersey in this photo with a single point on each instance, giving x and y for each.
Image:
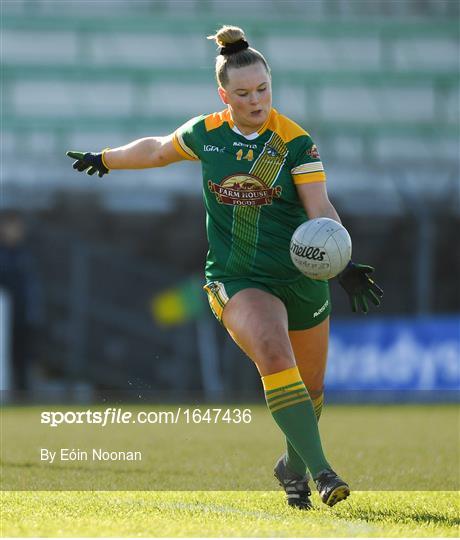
(313, 152)
(244, 190)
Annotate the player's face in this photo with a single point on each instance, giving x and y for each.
(248, 95)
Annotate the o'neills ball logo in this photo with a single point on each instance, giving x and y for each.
(244, 190)
(307, 252)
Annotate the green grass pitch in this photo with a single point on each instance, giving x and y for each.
(176, 514)
(401, 462)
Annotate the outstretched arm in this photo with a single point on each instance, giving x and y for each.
(140, 154)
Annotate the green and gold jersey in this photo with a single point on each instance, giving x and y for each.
(249, 192)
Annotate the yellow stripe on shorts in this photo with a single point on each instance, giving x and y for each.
(217, 297)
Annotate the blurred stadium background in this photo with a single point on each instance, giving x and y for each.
(101, 278)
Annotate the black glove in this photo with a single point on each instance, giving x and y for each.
(89, 160)
(359, 286)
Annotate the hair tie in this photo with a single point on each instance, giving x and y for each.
(235, 47)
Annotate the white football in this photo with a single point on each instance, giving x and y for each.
(320, 248)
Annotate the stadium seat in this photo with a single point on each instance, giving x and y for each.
(368, 90)
(38, 47)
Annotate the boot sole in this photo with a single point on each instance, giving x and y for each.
(340, 493)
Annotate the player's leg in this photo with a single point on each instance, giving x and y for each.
(308, 306)
(310, 348)
(258, 323)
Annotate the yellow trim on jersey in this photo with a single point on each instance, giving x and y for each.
(269, 168)
(182, 148)
(315, 166)
(280, 124)
(282, 378)
(308, 178)
(284, 127)
(215, 120)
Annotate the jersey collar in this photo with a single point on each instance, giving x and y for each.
(254, 135)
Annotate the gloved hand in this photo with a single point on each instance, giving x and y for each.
(88, 160)
(359, 286)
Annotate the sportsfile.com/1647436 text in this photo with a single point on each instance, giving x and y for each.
(116, 415)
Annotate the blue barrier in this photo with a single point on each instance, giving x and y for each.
(397, 354)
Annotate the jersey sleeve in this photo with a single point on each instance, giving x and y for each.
(185, 139)
(306, 166)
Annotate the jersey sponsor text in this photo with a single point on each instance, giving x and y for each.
(244, 190)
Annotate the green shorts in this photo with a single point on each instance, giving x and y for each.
(307, 301)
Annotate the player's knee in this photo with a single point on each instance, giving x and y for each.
(274, 356)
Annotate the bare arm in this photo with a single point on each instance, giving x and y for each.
(316, 202)
(143, 154)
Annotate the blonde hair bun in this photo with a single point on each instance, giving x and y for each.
(226, 35)
(234, 52)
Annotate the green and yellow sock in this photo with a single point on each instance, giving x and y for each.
(292, 409)
(293, 461)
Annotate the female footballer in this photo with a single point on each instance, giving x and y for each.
(262, 178)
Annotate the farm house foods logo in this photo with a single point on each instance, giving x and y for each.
(244, 190)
